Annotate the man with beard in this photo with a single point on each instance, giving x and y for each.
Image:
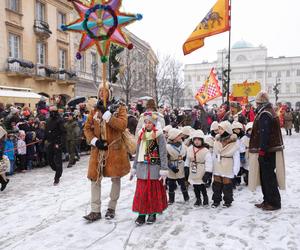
(53, 133)
(109, 157)
(266, 154)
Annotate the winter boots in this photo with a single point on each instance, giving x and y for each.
(92, 216)
(198, 189)
(151, 219)
(3, 183)
(171, 198)
(110, 214)
(141, 219)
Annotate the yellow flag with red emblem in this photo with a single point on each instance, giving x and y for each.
(216, 21)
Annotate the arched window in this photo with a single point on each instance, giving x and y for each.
(241, 58)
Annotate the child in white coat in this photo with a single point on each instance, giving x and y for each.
(226, 164)
(199, 162)
(176, 155)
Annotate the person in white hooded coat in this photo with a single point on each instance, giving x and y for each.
(226, 164)
(199, 162)
(176, 155)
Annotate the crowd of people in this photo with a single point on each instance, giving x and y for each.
(200, 147)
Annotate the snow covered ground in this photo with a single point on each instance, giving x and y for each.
(36, 215)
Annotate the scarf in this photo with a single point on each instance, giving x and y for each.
(145, 138)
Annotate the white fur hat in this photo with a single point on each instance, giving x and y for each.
(249, 126)
(2, 132)
(262, 97)
(237, 125)
(197, 134)
(173, 133)
(110, 89)
(226, 125)
(214, 126)
(186, 130)
(167, 128)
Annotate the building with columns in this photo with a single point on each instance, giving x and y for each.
(35, 52)
(251, 63)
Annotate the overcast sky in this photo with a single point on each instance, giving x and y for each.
(168, 23)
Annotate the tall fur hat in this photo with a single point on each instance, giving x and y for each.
(237, 125)
(197, 134)
(214, 126)
(186, 130)
(262, 97)
(249, 126)
(109, 89)
(226, 125)
(173, 133)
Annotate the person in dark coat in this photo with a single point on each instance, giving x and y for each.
(266, 140)
(296, 115)
(132, 122)
(53, 136)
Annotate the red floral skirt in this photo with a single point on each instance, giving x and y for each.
(150, 197)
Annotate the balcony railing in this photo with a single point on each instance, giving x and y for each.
(19, 67)
(41, 28)
(45, 72)
(66, 76)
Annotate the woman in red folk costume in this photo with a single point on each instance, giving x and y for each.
(151, 168)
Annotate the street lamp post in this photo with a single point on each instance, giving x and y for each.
(276, 88)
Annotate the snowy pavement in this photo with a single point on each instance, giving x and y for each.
(36, 215)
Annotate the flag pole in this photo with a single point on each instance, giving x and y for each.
(229, 51)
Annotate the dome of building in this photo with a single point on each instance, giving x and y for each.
(242, 44)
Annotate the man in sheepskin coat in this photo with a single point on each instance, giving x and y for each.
(266, 154)
(109, 158)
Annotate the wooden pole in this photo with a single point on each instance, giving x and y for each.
(229, 51)
(105, 87)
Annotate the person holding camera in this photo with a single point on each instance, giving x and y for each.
(176, 155)
(109, 158)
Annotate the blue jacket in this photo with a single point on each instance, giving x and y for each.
(9, 145)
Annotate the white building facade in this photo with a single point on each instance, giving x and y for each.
(252, 64)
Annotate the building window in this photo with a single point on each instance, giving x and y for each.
(288, 88)
(14, 5)
(278, 73)
(259, 74)
(61, 19)
(241, 58)
(198, 78)
(82, 63)
(62, 59)
(41, 53)
(298, 87)
(288, 73)
(298, 72)
(14, 45)
(269, 74)
(40, 11)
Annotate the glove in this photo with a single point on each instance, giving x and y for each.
(114, 105)
(173, 168)
(206, 177)
(100, 106)
(102, 145)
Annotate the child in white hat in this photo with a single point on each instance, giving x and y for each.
(226, 164)
(238, 129)
(176, 155)
(200, 165)
(245, 164)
